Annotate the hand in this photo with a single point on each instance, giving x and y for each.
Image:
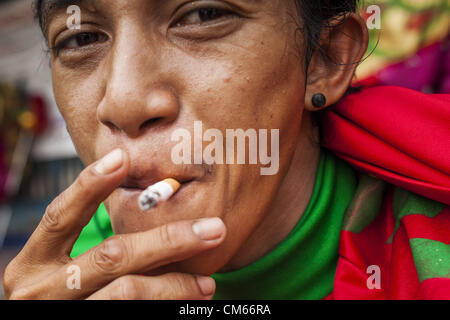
(109, 270)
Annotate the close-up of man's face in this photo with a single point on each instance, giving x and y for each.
(226, 149)
(136, 71)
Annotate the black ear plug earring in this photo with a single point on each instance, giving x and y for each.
(319, 100)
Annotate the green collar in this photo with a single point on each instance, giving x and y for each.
(303, 265)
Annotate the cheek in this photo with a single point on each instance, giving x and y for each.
(259, 86)
(77, 101)
(256, 87)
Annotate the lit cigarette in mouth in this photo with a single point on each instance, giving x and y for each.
(159, 192)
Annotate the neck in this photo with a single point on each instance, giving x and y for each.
(289, 203)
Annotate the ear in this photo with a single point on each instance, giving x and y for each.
(333, 65)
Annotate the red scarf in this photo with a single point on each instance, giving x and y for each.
(399, 135)
(402, 137)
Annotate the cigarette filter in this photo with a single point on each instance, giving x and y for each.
(158, 192)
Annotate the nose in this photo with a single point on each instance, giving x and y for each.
(136, 96)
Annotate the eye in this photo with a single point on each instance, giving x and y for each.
(202, 15)
(81, 40)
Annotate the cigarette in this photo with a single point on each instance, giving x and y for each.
(158, 192)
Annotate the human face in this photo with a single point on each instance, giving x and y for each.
(138, 70)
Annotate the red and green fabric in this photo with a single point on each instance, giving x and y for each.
(406, 236)
(402, 137)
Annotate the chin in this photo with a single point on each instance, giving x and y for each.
(205, 264)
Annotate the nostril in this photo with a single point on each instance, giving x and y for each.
(149, 123)
(111, 126)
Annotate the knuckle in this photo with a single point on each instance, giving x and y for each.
(82, 183)
(9, 280)
(22, 294)
(16, 275)
(183, 284)
(170, 237)
(171, 286)
(110, 256)
(51, 221)
(127, 288)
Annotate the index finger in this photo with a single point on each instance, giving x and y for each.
(66, 216)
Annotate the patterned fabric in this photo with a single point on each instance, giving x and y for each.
(402, 137)
(412, 47)
(404, 237)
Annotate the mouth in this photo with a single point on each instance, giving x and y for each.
(142, 174)
(139, 186)
(131, 193)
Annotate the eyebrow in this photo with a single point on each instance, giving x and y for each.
(45, 9)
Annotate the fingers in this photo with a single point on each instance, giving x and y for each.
(145, 251)
(171, 286)
(71, 211)
(135, 253)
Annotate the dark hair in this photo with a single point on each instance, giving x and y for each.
(315, 15)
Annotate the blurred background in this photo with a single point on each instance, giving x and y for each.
(37, 158)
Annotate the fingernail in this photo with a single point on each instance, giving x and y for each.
(207, 285)
(209, 229)
(110, 163)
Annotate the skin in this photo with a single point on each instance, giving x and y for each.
(131, 88)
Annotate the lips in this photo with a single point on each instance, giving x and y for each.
(145, 168)
(139, 178)
(149, 164)
(132, 189)
(142, 184)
